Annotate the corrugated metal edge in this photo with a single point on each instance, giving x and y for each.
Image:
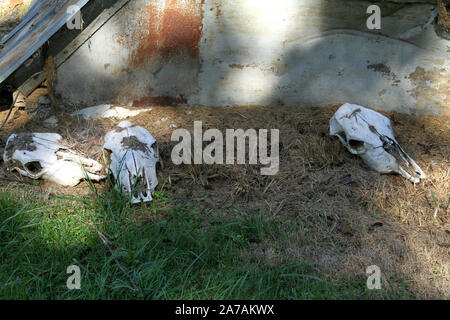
(31, 13)
(5, 73)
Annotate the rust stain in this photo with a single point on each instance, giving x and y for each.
(180, 30)
(218, 10)
(420, 74)
(166, 31)
(144, 33)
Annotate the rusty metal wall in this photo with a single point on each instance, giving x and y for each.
(148, 53)
(265, 52)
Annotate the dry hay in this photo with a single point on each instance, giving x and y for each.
(334, 212)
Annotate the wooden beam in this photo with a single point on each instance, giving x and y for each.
(35, 80)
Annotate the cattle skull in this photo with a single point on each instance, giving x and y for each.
(131, 153)
(41, 155)
(367, 133)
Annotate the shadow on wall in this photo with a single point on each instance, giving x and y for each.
(314, 53)
(259, 52)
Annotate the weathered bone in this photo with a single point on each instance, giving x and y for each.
(132, 155)
(107, 111)
(41, 155)
(367, 133)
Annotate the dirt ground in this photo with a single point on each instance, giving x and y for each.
(336, 213)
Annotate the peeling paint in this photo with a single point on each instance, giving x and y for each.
(431, 86)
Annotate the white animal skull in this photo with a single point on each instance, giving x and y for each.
(133, 154)
(367, 133)
(41, 155)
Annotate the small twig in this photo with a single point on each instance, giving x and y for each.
(10, 110)
(242, 115)
(213, 176)
(268, 186)
(105, 242)
(279, 207)
(436, 203)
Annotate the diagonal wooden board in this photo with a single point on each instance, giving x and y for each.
(35, 80)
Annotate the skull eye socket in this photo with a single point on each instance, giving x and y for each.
(355, 144)
(154, 146)
(342, 135)
(33, 167)
(107, 156)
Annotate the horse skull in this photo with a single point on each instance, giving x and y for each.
(41, 155)
(367, 133)
(132, 154)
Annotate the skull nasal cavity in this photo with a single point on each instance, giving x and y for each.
(33, 167)
(356, 144)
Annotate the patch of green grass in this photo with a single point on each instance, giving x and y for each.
(175, 253)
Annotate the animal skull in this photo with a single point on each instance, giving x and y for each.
(132, 154)
(41, 155)
(367, 133)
